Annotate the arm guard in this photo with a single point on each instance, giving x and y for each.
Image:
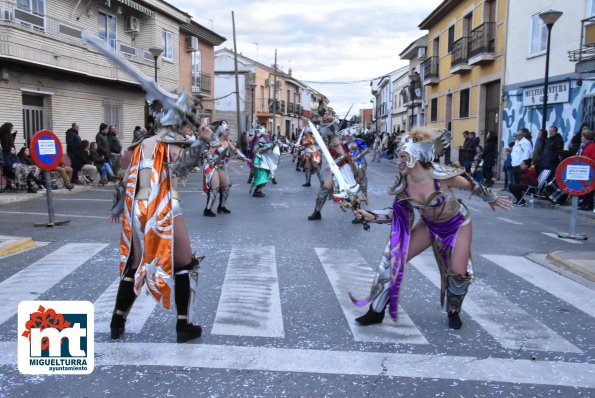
(362, 154)
(118, 204)
(191, 157)
(381, 216)
(485, 193)
(340, 159)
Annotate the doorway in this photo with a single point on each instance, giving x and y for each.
(32, 116)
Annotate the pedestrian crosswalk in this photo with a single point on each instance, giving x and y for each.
(251, 303)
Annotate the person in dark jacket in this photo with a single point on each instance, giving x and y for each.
(552, 151)
(73, 143)
(84, 162)
(528, 178)
(7, 137)
(489, 158)
(115, 148)
(102, 140)
(538, 150)
(587, 148)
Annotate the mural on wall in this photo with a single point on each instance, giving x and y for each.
(566, 116)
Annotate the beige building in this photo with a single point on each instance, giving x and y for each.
(51, 78)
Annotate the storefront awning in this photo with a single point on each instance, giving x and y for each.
(134, 5)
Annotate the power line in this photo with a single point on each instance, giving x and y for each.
(338, 83)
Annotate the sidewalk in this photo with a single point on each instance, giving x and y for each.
(22, 196)
(581, 263)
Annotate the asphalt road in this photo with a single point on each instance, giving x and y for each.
(273, 303)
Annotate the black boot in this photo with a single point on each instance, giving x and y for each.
(30, 187)
(124, 300)
(315, 216)
(208, 213)
(371, 317)
(185, 331)
(456, 290)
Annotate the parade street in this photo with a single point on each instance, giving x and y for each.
(273, 301)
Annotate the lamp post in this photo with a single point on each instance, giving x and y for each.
(414, 78)
(549, 18)
(155, 52)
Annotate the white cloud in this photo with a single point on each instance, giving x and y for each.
(322, 41)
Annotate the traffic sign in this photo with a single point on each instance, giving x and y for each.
(46, 150)
(575, 175)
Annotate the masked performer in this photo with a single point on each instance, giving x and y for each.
(216, 178)
(264, 163)
(358, 150)
(444, 224)
(341, 157)
(155, 251)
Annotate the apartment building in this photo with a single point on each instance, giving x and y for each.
(400, 92)
(462, 73)
(51, 78)
(413, 96)
(571, 88)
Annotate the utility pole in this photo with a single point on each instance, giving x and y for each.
(235, 61)
(274, 96)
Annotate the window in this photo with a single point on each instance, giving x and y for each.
(592, 8)
(451, 37)
(35, 6)
(434, 110)
(196, 69)
(261, 99)
(464, 103)
(107, 29)
(538, 41)
(113, 113)
(168, 45)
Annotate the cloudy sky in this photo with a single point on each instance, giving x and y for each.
(322, 41)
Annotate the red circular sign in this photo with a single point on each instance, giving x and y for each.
(46, 150)
(575, 175)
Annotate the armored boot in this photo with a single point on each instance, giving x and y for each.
(308, 176)
(211, 197)
(185, 288)
(124, 300)
(371, 317)
(320, 200)
(223, 194)
(456, 289)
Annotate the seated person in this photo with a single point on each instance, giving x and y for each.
(84, 162)
(20, 170)
(99, 160)
(66, 174)
(25, 157)
(528, 178)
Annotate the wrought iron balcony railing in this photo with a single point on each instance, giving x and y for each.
(460, 52)
(483, 39)
(430, 67)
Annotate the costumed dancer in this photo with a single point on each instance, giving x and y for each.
(312, 159)
(342, 159)
(445, 224)
(264, 163)
(358, 150)
(155, 252)
(215, 177)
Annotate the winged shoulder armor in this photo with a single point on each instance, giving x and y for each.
(443, 172)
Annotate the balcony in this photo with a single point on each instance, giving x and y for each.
(430, 68)
(275, 106)
(459, 56)
(290, 107)
(585, 55)
(201, 84)
(482, 44)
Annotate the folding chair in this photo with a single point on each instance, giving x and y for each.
(538, 189)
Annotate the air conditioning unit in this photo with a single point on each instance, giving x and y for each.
(132, 24)
(421, 53)
(191, 43)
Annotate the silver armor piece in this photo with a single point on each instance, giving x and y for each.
(381, 285)
(456, 290)
(190, 158)
(485, 193)
(172, 137)
(224, 194)
(118, 203)
(443, 172)
(211, 196)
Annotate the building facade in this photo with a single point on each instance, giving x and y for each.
(52, 78)
(462, 72)
(399, 110)
(413, 95)
(571, 89)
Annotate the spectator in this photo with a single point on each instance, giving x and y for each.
(476, 165)
(115, 148)
(528, 178)
(377, 149)
(85, 163)
(538, 151)
(552, 151)
(489, 158)
(101, 138)
(576, 140)
(98, 156)
(73, 143)
(7, 137)
(137, 134)
(507, 166)
(25, 157)
(587, 149)
(65, 174)
(520, 151)
(20, 171)
(465, 156)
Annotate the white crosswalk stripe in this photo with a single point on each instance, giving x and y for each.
(348, 272)
(250, 304)
(104, 306)
(507, 323)
(42, 275)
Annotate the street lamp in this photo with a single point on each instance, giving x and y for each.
(549, 18)
(414, 78)
(155, 52)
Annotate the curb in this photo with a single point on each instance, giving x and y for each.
(556, 259)
(15, 245)
(6, 198)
